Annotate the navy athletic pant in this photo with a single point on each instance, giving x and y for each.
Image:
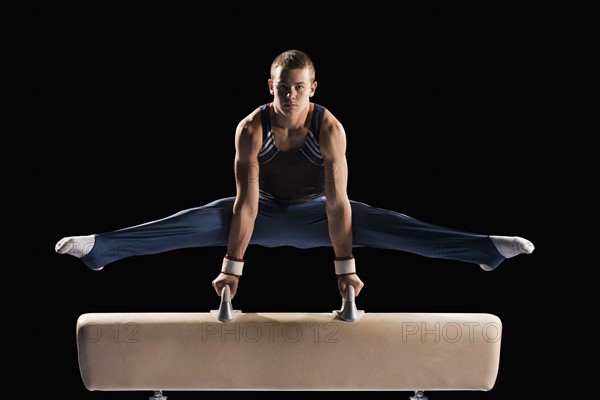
(303, 226)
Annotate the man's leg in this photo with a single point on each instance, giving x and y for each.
(306, 226)
(203, 226)
(380, 228)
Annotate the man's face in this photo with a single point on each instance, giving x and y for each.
(292, 89)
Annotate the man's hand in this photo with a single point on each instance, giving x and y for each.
(224, 279)
(349, 279)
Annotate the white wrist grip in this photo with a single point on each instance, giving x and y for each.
(232, 267)
(345, 267)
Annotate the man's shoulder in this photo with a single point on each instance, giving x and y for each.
(257, 112)
(319, 107)
(251, 124)
(331, 131)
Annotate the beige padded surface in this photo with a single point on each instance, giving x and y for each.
(288, 351)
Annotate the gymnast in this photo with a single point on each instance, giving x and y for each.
(291, 175)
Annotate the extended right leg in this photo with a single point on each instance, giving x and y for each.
(202, 226)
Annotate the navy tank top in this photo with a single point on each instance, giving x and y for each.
(293, 176)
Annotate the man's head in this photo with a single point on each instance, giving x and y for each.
(293, 59)
(292, 81)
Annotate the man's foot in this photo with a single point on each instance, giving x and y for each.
(510, 246)
(77, 246)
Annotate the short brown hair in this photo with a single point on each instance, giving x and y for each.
(292, 59)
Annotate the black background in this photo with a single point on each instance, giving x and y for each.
(440, 121)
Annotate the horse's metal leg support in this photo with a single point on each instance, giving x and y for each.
(158, 395)
(419, 395)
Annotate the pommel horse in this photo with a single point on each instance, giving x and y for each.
(343, 350)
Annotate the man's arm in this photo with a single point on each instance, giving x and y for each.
(248, 140)
(339, 213)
